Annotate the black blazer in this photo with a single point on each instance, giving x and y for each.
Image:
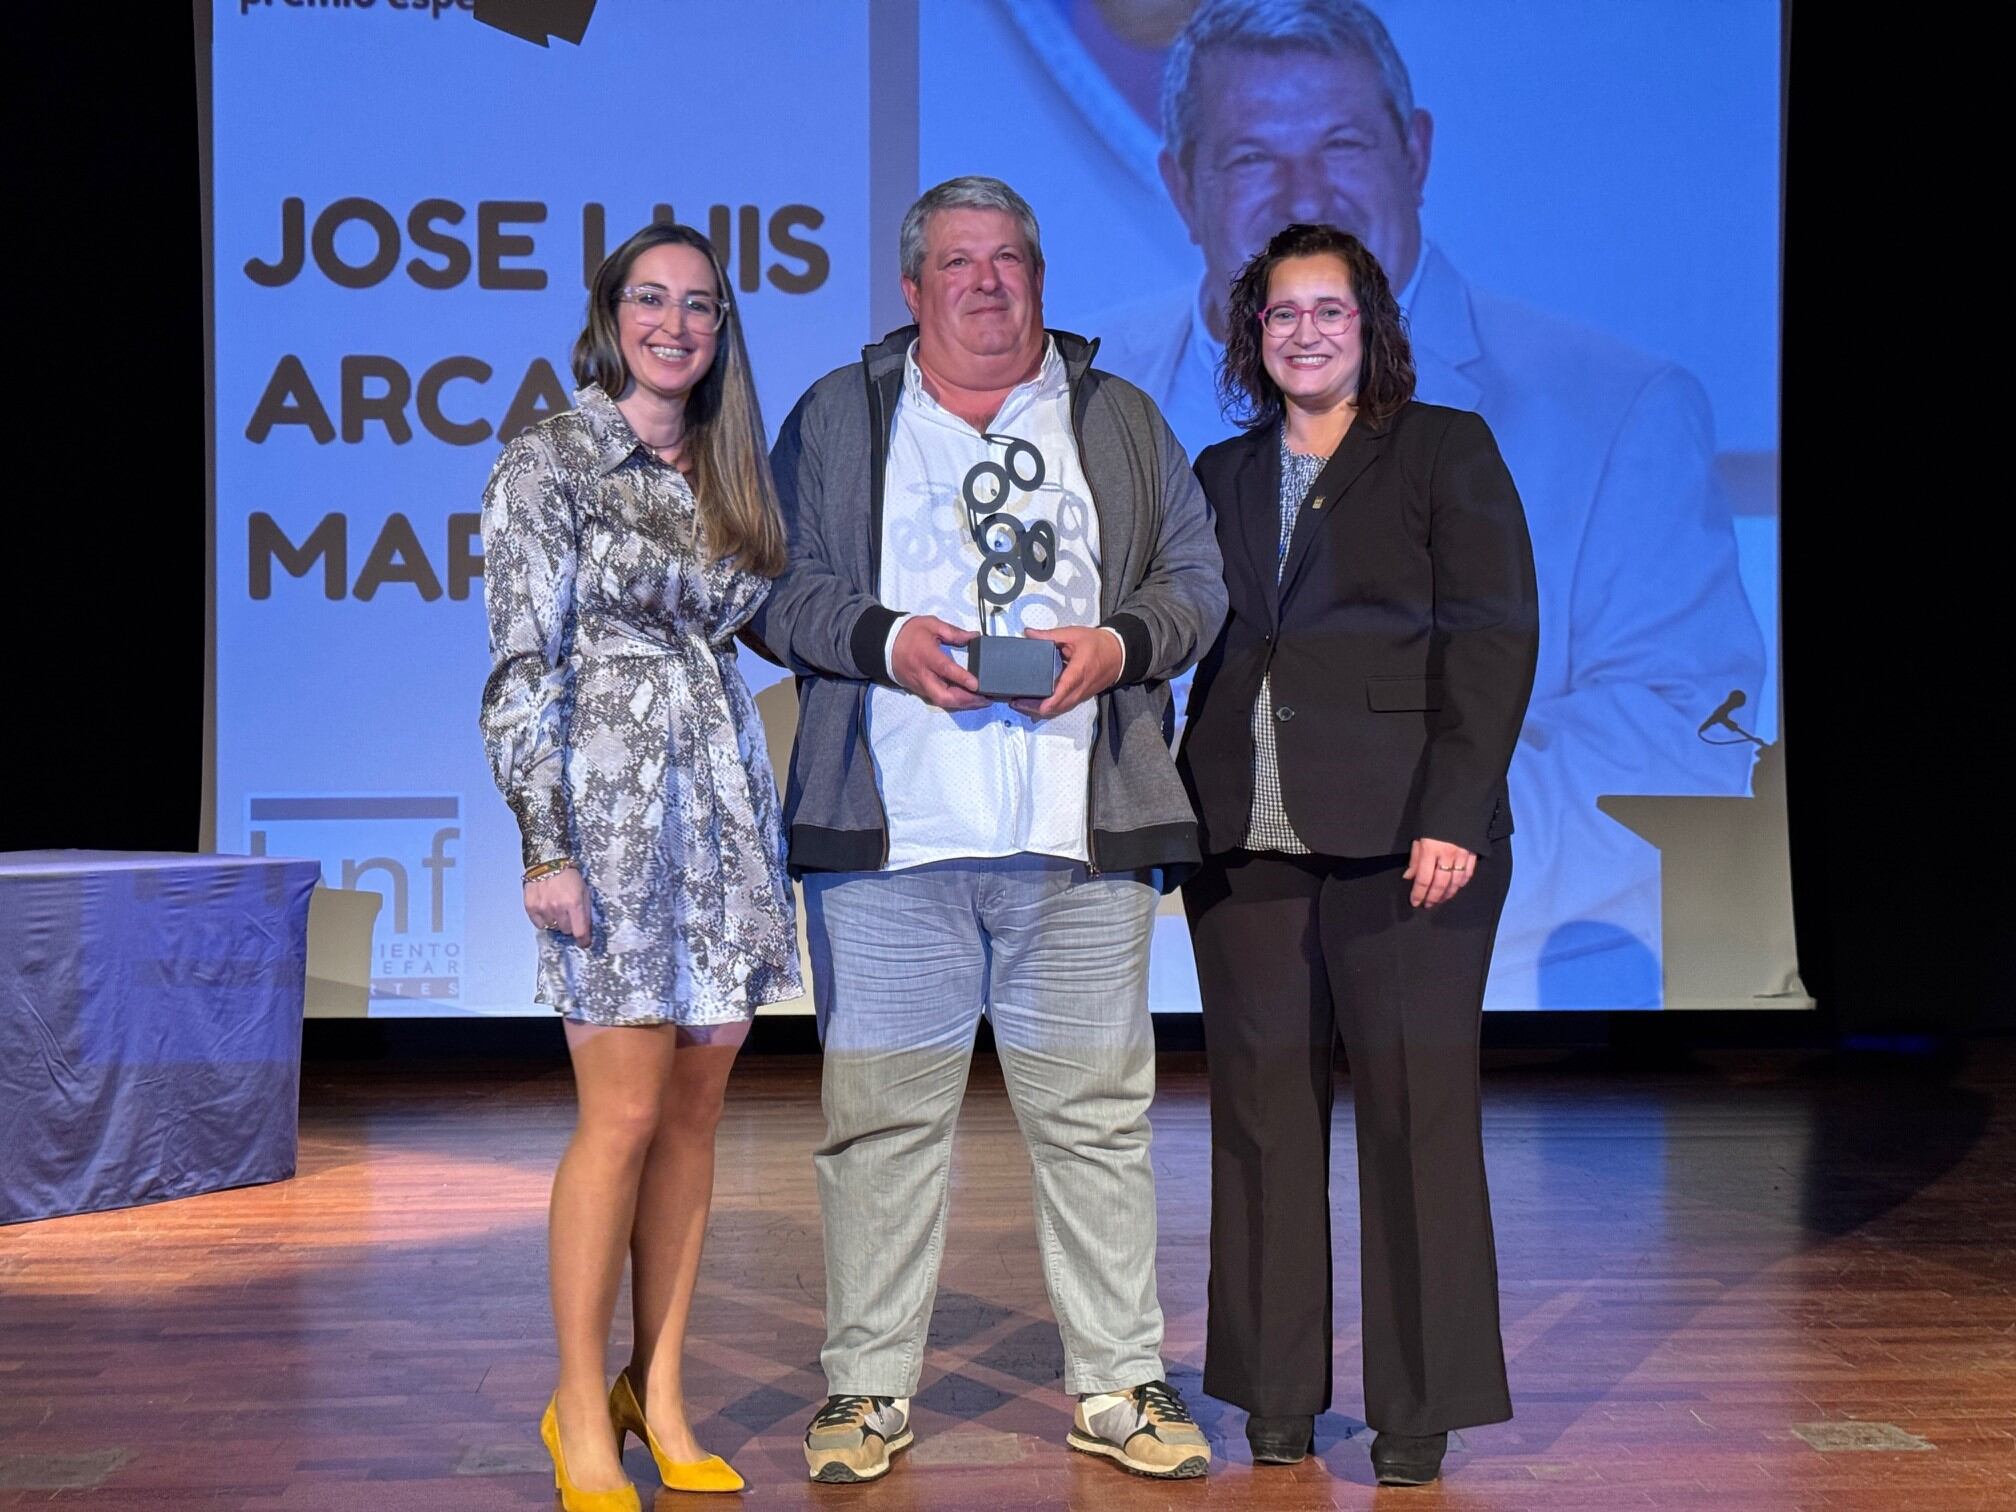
(1402, 638)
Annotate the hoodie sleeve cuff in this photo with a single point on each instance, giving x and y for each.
(869, 643)
(1134, 638)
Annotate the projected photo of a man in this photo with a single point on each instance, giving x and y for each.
(1280, 111)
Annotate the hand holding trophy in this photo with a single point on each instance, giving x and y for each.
(1011, 555)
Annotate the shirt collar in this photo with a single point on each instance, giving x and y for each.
(615, 442)
(1051, 379)
(1406, 295)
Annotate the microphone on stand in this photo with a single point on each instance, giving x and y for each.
(1720, 720)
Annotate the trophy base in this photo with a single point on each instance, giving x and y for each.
(1013, 666)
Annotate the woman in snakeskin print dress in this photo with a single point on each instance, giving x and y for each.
(626, 541)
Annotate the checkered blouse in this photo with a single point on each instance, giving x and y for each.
(1269, 829)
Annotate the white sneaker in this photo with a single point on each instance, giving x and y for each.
(1147, 1430)
(852, 1437)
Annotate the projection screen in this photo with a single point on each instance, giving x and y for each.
(406, 198)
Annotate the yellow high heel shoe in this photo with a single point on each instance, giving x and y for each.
(710, 1474)
(572, 1497)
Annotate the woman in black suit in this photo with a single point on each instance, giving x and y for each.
(1346, 749)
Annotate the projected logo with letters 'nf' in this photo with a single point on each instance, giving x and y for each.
(1010, 554)
(402, 847)
(538, 20)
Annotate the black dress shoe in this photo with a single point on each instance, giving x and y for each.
(1280, 1440)
(1400, 1460)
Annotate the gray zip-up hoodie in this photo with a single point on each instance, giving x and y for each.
(1162, 588)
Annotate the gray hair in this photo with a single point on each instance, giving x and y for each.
(973, 191)
(1330, 27)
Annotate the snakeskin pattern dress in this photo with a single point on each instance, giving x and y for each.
(622, 734)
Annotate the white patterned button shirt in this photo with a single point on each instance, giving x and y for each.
(989, 782)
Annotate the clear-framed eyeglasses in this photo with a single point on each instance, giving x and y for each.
(651, 305)
(1333, 317)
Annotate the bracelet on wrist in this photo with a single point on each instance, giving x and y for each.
(548, 868)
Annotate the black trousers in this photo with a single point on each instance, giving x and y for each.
(1293, 951)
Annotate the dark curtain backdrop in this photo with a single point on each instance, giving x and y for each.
(106, 498)
(1894, 674)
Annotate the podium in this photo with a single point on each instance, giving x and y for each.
(1725, 891)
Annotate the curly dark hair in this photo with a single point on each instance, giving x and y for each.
(1249, 395)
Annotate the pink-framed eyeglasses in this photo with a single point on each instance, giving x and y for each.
(1333, 317)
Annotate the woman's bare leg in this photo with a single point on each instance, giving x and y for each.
(673, 1199)
(620, 1078)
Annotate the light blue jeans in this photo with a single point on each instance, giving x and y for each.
(903, 965)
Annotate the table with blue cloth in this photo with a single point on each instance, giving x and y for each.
(150, 1025)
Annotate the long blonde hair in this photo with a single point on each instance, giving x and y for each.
(739, 516)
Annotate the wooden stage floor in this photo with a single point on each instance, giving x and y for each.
(1774, 1280)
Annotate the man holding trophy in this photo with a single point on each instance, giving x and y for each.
(999, 559)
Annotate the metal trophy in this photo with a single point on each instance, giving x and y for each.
(1011, 554)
